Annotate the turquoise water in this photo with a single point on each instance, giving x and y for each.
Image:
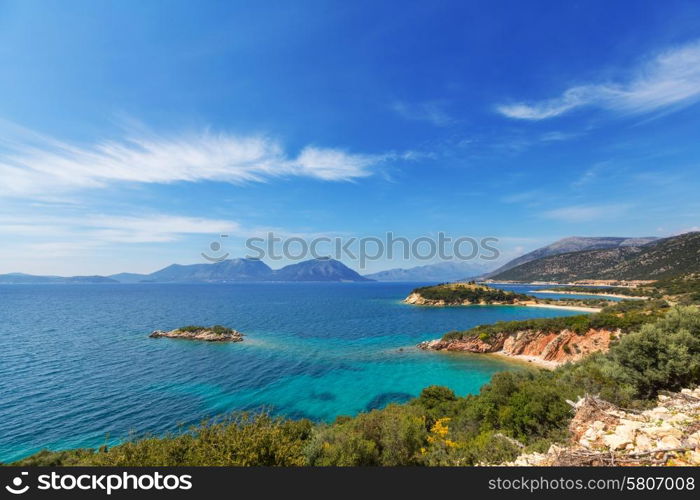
(77, 367)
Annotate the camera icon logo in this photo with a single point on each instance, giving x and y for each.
(216, 247)
(16, 488)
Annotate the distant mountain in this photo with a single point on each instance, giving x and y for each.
(29, 279)
(245, 270)
(440, 272)
(226, 270)
(318, 270)
(661, 258)
(128, 277)
(231, 270)
(571, 244)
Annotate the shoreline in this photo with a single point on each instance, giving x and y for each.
(614, 295)
(571, 308)
(526, 359)
(528, 304)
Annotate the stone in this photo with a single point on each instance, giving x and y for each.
(598, 425)
(669, 442)
(615, 441)
(643, 443)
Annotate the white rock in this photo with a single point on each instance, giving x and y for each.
(643, 443)
(694, 439)
(598, 425)
(679, 418)
(615, 441)
(669, 442)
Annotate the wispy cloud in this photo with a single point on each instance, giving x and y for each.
(104, 229)
(429, 111)
(31, 163)
(586, 213)
(670, 78)
(591, 174)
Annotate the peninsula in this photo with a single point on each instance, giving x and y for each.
(472, 293)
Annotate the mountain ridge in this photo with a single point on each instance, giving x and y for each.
(441, 271)
(572, 244)
(229, 270)
(660, 258)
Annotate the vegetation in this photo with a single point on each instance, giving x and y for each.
(216, 329)
(626, 315)
(594, 303)
(515, 411)
(459, 293)
(614, 290)
(684, 289)
(660, 259)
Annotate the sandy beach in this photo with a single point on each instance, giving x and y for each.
(522, 358)
(572, 308)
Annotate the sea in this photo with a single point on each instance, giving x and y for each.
(78, 369)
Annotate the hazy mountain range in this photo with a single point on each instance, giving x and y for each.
(230, 270)
(568, 259)
(442, 271)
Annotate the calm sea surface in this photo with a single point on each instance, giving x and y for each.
(77, 367)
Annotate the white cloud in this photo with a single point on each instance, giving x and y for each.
(331, 164)
(430, 111)
(32, 164)
(586, 213)
(669, 78)
(100, 229)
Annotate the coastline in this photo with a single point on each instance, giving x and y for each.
(521, 304)
(524, 358)
(614, 295)
(571, 308)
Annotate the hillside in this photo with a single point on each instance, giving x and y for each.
(572, 244)
(317, 270)
(226, 270)
(440, 272)
(656, 260)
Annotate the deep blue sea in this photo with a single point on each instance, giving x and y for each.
(77, 367)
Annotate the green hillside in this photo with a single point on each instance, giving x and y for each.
(657, 260)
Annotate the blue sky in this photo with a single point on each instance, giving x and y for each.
(133, 133)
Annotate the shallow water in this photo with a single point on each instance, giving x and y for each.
(77, 367)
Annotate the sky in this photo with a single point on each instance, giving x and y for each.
(134, 134)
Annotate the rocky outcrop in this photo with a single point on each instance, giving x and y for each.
(550, 348)
(418, 300)
(603, 434)
(203, 334)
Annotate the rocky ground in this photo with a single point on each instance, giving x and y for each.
(603, 434)
(203, 334)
